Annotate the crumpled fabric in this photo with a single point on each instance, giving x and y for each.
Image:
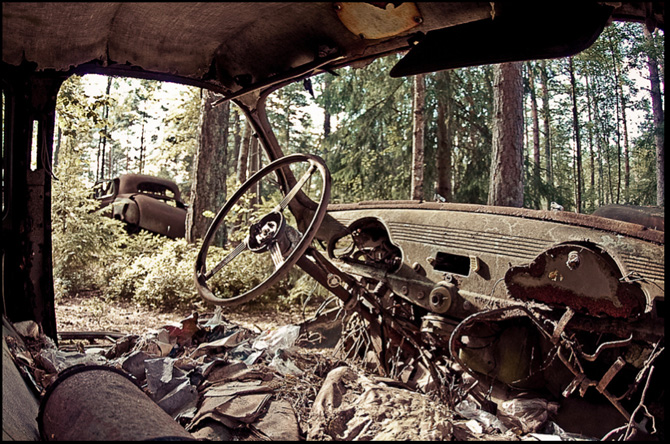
(350, 406)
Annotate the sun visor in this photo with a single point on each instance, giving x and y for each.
(515, 32)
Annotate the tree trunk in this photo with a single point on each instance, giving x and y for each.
(57, 145)
(601, 144)
(103, 139)
(546, 114)
(578, 145)
(208, 190)
(445, 137)
(590, 132)
(506, 183)
(237, 140)
(657, 108)
(615, 64)
(254, 165)
(418, 105)
(536, 132)
(141, 163)
(626, 160)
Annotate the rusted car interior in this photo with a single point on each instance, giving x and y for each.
(145, 202)
(568, 303)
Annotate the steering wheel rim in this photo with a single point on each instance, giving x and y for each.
(201, 274)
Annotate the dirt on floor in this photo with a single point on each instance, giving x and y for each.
(87, 312)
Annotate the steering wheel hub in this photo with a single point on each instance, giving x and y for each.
(271, 228)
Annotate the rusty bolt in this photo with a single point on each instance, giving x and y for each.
(333, 280)
(418, 19)
(441, 297)
(361, 35)
(404, 290)
(420, 295)
(337, 6)
(573, 260)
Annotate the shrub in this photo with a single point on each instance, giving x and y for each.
(82, 239)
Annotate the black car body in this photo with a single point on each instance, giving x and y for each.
(147, 202)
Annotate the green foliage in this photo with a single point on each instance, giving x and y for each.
(81, 238)
(369, 152)
(159, 277)
(643, 169)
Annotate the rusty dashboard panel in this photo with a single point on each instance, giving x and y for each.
(458, 259)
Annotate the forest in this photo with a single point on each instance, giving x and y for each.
(592, 129)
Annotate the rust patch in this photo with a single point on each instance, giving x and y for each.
(593, 286)
(377, 20)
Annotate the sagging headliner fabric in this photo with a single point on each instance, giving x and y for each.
(222, 45)
(194, 40)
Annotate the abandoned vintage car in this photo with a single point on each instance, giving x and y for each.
(568, 304)
(144, 202)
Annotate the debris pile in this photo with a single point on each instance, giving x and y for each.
(221, 381)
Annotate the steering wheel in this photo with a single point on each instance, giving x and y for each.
(271, 234)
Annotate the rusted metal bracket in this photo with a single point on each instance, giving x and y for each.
(566, 350)
(610, 374)
(606, 345)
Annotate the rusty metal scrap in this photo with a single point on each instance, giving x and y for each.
(579, 277)
(570, 352)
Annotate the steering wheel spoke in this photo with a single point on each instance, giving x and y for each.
(277, 257)
(298, 186)
(226, 260)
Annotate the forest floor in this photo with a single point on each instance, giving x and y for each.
(89, 312)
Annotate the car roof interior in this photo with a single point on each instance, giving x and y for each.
(234, 48)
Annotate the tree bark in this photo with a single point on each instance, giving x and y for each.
(326, 113)
(445, 137)
(237, 140)
(578, 145)
(141, 161)
(208, 190)
(618, 114)
(536, 131)
(506, 183)
(103, 139)
(418, 105)
(546, 115)
(626, 148)
(590, 132)
(659, 139)
(254, 165)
